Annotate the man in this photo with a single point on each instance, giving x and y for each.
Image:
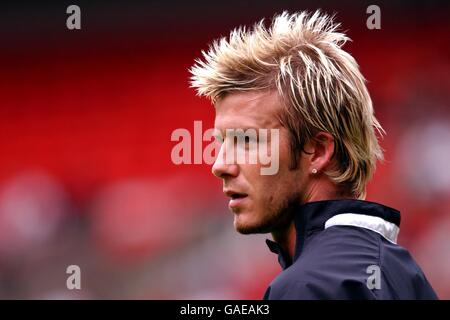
(295, 78)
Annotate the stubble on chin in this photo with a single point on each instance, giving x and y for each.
(275, 218)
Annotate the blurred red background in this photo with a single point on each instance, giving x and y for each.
(86, 176)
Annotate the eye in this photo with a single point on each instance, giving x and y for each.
(250, 139)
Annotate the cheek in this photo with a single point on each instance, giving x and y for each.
(251, 174)
(285, 154)
(272, 189)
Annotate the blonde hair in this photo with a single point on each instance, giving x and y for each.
(300, 55)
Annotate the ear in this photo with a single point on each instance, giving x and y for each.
(321, 150)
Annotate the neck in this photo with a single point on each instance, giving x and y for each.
(286, 237)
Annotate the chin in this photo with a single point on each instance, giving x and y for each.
(244, 225)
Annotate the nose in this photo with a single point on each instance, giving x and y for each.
(221, 168)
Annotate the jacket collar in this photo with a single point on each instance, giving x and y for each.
(319, 215)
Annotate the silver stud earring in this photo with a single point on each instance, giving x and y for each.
(314, 171)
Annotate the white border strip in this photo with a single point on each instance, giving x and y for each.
(385, 228)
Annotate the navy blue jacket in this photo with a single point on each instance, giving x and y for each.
(346, 249)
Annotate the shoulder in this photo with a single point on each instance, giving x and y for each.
(403, 275)
(333, 265)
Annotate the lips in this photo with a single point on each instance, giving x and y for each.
(237, 198)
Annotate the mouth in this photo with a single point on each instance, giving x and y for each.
(236, 198)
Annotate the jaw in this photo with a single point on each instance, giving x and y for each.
(249, 222)
(243, 222)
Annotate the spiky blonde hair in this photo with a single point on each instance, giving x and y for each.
(300, 55)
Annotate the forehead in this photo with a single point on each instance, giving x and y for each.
(253, 109)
